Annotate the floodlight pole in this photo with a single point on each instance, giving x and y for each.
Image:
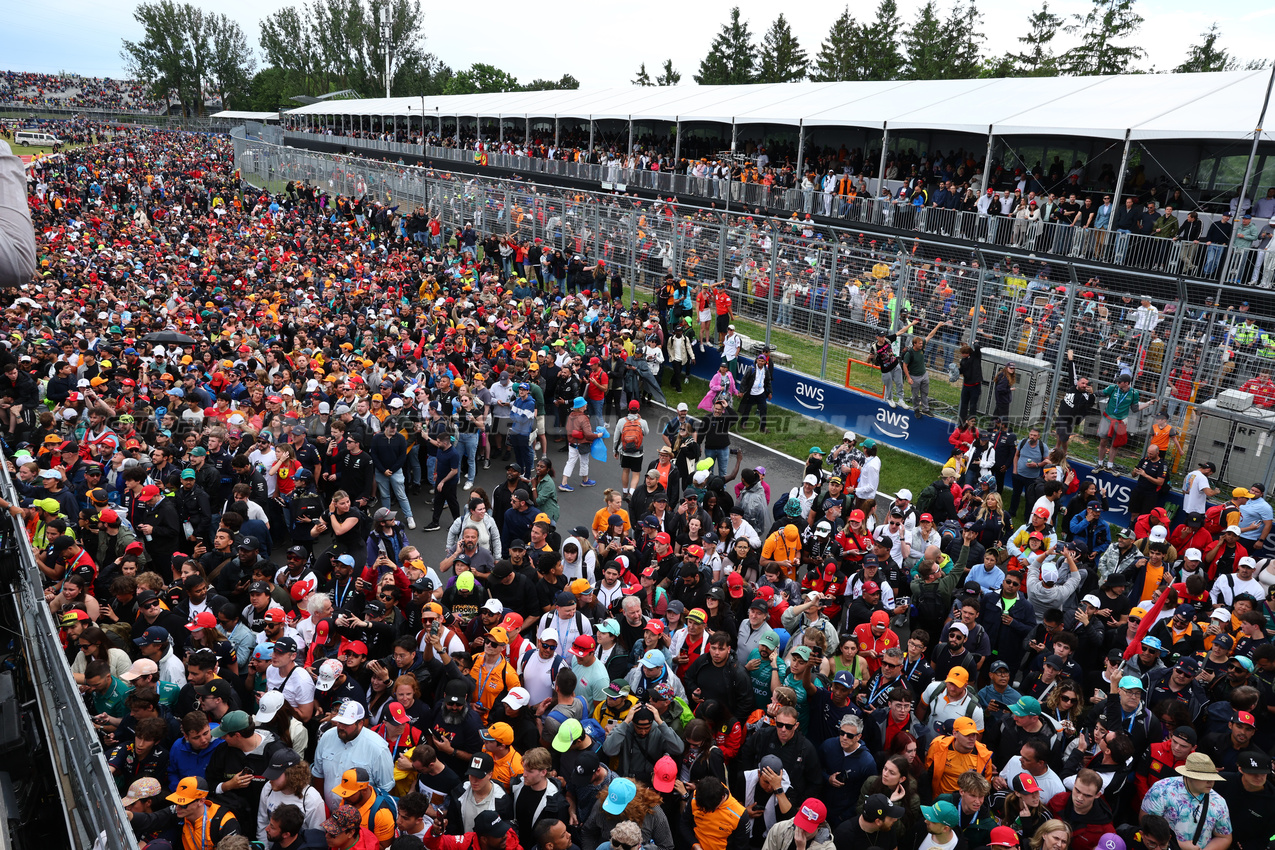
(1248, 175)
(885, 144)
(385, 43)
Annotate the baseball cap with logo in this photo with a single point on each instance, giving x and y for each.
(328, 672)
(620, 793)
(1252, 762)
(942, 812)
(1003, 836)
(517, 698)
(481, 764)
(344, 818)
(189, 790)
(1110, 841)
(665, 774)
(1025, 783)
(811, 815)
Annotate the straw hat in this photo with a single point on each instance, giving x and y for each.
(1199, 766)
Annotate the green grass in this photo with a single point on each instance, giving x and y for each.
(32, 150)
(793, 434)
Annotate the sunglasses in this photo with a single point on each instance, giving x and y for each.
(789, 726)
(1068, 700)
(150, 605)
(890, 665)
(850, 735)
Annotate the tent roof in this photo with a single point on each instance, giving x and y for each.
(1146, 106)
(239, 115)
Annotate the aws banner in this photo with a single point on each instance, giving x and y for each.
(897, 427)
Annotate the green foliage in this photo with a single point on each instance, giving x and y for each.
(172, 54)
(963, 34)
(879, 51)
(231, 63)
(481, 77)
(732, 57)
(782, 59)
(1207, 56)
(269, 90)
(1037, 59)
(669, 76)
(643, 78)
(1105, 46)
(838, 59)
(924, 46)
(565, 82)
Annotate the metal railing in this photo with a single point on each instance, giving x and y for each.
(89, 797)
(820, 294)
(1196, 259)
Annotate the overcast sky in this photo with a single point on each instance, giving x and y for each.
(604, 44)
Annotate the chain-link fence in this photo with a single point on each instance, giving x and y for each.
(818, 295)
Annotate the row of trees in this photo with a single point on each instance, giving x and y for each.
(940, 45)
(312, 48)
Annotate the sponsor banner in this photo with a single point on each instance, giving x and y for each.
(927, 437)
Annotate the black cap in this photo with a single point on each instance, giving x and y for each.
(878, 806)
(481, 764)
(584, 765)
(522, 495)
(219, 688)
(1254, 762)
(282, 759)
(488, 824)
(258, 587)
(299, 551)
(249, 542)
(516, 544)
(285, 644)
(513, 467)
(1186, 733)
(374, 607)
(424, 584)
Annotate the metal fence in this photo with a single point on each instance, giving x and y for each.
(1195, 259)
(820, 294)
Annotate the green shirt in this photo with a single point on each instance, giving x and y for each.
(111, 703)
(914, 361)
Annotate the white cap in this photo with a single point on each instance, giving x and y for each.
(494, 606)
(700, 476)
(1193, 555)
(328, 672)
(811, 480)
(517, 698)
(351, 712)
(548, 634)
(958, 626)
(1159, 534)
(849, 435)
(82, 383)
(905, 494)
(324, 407)
(396, 402)
(269, 705)
(681, 407)
(312, 385)
(1220, 613)
(1049, 574)
(1092, 600)
(1247, 562)
(1234, 529)
(287, 391)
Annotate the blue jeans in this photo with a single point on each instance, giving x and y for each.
(1213, 256)
(429, 470)
(413, 469)
(720, 458)
(595, 410)
(468, 444)
(396, 481)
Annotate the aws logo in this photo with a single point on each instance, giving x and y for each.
(809, 396)
(892, 424)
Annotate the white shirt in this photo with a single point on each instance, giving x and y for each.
(930, 843)
(1043, 502)
(535, 676)
(298, 688)
(1049, 782)
(869, 479)
(1227, 587)
(731, 345)
(1194, 499)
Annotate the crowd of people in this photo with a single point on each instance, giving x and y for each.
(225, 409)
(1049, 207)
(71, 91)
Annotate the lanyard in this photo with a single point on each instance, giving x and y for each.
(340, 594)
(482, 680)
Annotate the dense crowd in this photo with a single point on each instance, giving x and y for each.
(67, 91)
(225, 408)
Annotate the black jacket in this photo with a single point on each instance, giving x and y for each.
(800, 758)
(729, 684)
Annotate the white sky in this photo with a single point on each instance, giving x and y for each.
(604, 44)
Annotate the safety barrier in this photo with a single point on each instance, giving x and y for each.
(820, 294)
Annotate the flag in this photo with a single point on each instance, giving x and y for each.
(1147, 622)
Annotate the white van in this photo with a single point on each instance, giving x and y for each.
(36, 138)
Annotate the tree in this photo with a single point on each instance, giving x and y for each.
(1038, 59)
(269, 90)
(565, 82)
(732, 57)
(231, 64)
(170, 56)
(879, 51)
(963, 34)
(287, 40)
(782, 59)
(1207, 56)
(668, 75)
(837, 59)
(643, 78)
(1104, 48)
(923, 43)
(481, 77)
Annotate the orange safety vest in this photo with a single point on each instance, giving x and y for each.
(712, 829)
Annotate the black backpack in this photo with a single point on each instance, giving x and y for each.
(929, 605)
(925, 501)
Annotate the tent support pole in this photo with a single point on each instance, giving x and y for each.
(801, 148)
(1248, 174)
(1115, 196)
(885, 144)
(630, 135)
(677, 145)
(556, 128)
(987, 160)
(591, 128)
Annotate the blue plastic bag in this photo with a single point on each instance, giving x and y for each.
(598, 451)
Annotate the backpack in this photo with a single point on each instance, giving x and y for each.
(777, 511)
(631, 435)
(382, 801)
(1213, 517)
(554, 666)
(928, 603)
(925, 501)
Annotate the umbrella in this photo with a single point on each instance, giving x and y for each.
(169, 338)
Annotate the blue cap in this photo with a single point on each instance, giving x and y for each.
(844, 679)
(1132, 683)
(578, 403)
(152, 636)
(263, 651)
(1152, 642)
(348, 560)
(619, 795)
(654, 659)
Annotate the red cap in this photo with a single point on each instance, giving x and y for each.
(203, 620)
(1003, 836)
(1041, 512)
(134, 548)
(396, 712)
(766, 592)
(358, 647)
(655, 626)
(871, 587)
(650, 572)
(635, 405)
(1028, 783)
(1035, 535)
(830, 569)
(300, 590)
(735, 585)
(150, 491)
(109, 517)
(695, 551)
(582, 646)
(665, 774)
(663, 538)
(856, 515)
(128, 382)
(811, 815)
(925, 518)
(273, 615)
(1245, 719)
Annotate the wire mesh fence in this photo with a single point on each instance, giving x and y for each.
(818, 296)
